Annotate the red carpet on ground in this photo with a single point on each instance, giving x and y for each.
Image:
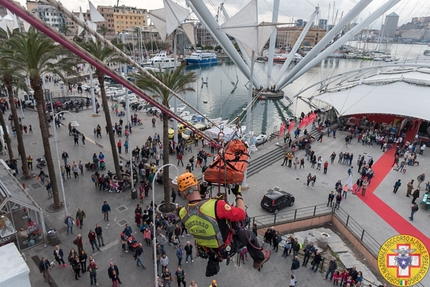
(400, 223)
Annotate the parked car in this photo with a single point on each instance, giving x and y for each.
(276, 199)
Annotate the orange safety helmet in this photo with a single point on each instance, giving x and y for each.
(186, 180)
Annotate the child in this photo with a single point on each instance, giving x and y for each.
(336, 278)
(343, 276)
(114, 279)
(348, 281)
(292, 281)
(243, 253)
(296, 162)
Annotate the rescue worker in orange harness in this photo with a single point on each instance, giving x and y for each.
(216, 226)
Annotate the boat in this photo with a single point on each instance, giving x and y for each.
(161, 60)
(200, 57)
(427, 53)
(280, 58)
(268, 94)
(229, 166)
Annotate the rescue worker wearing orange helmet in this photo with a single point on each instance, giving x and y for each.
(215, 225)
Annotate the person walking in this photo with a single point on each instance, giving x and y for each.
(410, 186)
(78, 242)
(113, 270)
(330, 199)
(105, 210)
(69, 221)
(396, 186)
(65, 157)
(48, 188)
(30, 162)
(332, 266)
(181, 277)
(167, 277)
(421, 178)
(414, 208)
(415, 195)
(188, 252)
(80, 215)
(119, 145)
(138, 255)
(44, 268)
(180, 254)
(92, 238)
(83, 260)
(99, 233)
(76, 265)
(83, 142)
(92, 269)
(316, 262)
(295, 265)
(309, 250)
(59, 255)
(164, 261)
(365, 184)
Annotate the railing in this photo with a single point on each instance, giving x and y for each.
(370, 243)
(302, 213)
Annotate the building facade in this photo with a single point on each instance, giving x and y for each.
(107, 12)
(127, 18)
(390, 26)
(47, 13)
(287, 36)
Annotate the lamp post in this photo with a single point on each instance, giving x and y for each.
(75, 124)
(153, 215)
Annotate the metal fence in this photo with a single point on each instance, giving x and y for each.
(370, 243)
(302, 213)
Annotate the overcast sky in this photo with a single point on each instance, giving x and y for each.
(290, 9)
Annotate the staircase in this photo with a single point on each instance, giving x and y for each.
(257, 164)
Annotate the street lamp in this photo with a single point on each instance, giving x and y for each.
(73, 124)
(153, 215)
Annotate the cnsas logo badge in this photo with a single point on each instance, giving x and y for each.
(403, 260)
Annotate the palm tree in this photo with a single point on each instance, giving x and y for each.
(34, 54)
(105, 55)
(6, 137)
(9, 78)
(103, 30)
(178, 82)
(64, 29)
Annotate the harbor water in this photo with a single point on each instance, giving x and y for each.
(216, 96)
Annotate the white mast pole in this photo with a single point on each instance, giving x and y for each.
(325, 41)
(272, 42)
(297, 45)
(202, 12)
(345, 38)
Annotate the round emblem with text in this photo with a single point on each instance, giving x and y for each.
(403, 260)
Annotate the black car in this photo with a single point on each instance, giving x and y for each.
(276, 199)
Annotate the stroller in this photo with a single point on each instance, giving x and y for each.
(132, 243)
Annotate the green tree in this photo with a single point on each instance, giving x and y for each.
(105, 55)
(103, 30)
(10, 77)
(34, 54)
(178, 82)
(64, 29)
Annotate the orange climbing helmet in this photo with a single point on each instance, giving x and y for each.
(186, 180)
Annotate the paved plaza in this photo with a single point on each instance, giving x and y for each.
(81, 193)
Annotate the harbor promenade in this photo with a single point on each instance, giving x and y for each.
(81, 193)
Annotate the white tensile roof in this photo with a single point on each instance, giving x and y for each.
(396, 91)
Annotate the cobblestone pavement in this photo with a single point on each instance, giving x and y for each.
(81, 193)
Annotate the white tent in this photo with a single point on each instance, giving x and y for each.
(15, 270)
(382, 93)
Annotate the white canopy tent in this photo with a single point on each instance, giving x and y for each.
(384, 92)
